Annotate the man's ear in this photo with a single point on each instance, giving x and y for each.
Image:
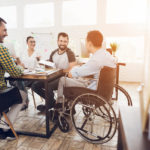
(90, 44)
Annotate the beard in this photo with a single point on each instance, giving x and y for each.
(62, 47)
(2, 39)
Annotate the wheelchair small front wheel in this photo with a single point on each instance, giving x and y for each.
(63, 124)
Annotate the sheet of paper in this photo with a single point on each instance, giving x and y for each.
(47, 63)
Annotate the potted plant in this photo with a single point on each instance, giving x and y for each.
(114, 47)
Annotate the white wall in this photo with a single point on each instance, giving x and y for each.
(147, 55)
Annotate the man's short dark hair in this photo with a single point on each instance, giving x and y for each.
(29, 37)
(95, 37)
(63, 34)
(2, 20)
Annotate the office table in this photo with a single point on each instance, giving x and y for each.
(46, 78)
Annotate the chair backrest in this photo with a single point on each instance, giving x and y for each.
(9, 97)
(106, 82)
(109, 50)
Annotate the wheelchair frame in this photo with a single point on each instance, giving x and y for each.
(101, 109)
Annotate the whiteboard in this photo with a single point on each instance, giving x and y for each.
(45, 44)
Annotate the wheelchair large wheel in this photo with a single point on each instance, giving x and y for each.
(121, 95)
(88, 121)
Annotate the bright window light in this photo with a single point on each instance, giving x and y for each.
(39, 15)
(128, 49)
(8, 13)
(79, 12)
(126, 11)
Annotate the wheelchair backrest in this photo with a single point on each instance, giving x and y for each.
(106, 82)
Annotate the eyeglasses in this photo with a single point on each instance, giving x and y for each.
(32, 41)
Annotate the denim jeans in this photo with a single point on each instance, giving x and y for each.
(38, 87)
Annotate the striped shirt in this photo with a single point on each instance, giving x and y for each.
(7, 65)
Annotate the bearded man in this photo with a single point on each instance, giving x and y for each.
(64, 59)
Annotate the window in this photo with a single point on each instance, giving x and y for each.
(127, 11)
(8, 13)
(130, 49)
(79, 12)
(73, 45)
(39, 15)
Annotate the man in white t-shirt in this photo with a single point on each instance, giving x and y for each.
(64, 59)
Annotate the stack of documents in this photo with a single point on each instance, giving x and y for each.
(39, 72)
(47, 63)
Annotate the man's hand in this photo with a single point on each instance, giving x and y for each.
(19, 63)
(69, 75)
(38, 58)
(71, 65)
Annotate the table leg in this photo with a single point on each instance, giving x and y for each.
(119, 145)
(46, 104)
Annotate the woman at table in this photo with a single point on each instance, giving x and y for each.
(29, 57)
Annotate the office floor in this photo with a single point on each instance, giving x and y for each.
(32, 120)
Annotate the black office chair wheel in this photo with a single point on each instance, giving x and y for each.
(88, 121)
(63, 124)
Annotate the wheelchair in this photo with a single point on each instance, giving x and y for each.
(92, 113)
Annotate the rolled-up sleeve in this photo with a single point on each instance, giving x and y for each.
(87, 69)
(8, 64)
(99, 59)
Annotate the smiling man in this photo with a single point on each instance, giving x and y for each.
(3, 30)
(8, 65)
(64, 59)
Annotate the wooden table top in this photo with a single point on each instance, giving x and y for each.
(44, 75)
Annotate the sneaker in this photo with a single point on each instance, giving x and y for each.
(10, 135)
(41, 108)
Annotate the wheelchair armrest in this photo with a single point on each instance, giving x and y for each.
(73, 92)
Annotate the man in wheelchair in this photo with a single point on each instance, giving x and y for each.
(85, 100)
(100, 58)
